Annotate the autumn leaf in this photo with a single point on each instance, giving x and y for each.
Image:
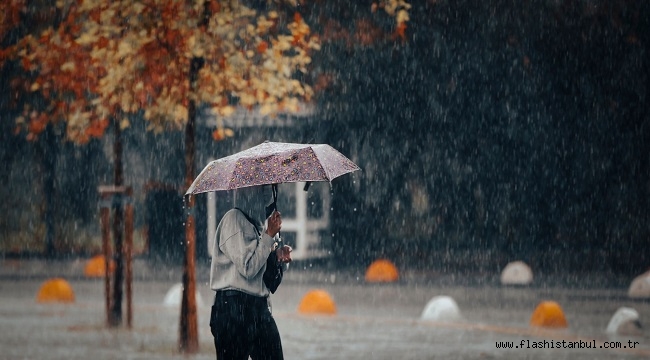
(38, 124)
(215, 6)
(102, 43)
(261, 48)
(400, 31)
(118, 58)
(97, 128)
(95, 15)
(222, 133)
(26, 63)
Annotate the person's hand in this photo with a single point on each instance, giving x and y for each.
(274, 224)
(284, 253)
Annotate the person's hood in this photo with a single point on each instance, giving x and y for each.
(253, 201)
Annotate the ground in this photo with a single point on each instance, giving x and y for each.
(373, 321)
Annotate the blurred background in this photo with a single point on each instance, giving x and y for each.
(486, 131)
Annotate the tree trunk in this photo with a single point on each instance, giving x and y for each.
(50, 151)
(189, 339)
(189, 334)
(115, 317)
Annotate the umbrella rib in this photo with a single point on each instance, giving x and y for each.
(322, 157)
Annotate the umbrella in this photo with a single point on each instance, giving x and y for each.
(272, 163)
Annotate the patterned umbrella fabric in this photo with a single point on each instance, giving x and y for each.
(272, 163)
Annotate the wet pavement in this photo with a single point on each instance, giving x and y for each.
(373, 321)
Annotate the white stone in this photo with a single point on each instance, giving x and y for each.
(516, 273)
(640, 287)
(441, 308)
(625, 321)
(174, 296)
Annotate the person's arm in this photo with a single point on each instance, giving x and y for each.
(239, 242)
(273, 273)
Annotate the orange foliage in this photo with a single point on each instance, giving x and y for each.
(218, 135)
(367, 33)
(83, 67)
(61, 106)
(400, 31)
(141, 97)
(97, 128)
(261, 48)
(4, 55)
(78, 90)
(215, 6)
(95, 15)
(172, 37)
(323, 82)
(45, 38)
(10, 15)
(26, 63)
(334, 31)
(38, 124)
(102, 43)
(222, 133)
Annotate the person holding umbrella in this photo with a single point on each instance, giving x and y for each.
(246, 267)
(247, 263)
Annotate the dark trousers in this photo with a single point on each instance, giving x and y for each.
(242, 326)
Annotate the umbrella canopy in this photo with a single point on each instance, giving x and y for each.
(272, 163)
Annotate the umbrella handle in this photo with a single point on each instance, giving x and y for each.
(273, 207)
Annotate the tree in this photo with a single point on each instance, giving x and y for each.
(110, 62)
(12, 26)
(61, 73)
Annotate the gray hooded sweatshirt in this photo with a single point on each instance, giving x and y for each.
(240, 249)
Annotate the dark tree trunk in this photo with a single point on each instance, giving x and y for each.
(189, 335)
(188, 322)
(115, 317)
(50, 151)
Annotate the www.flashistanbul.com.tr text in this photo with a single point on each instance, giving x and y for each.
(566, 344)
